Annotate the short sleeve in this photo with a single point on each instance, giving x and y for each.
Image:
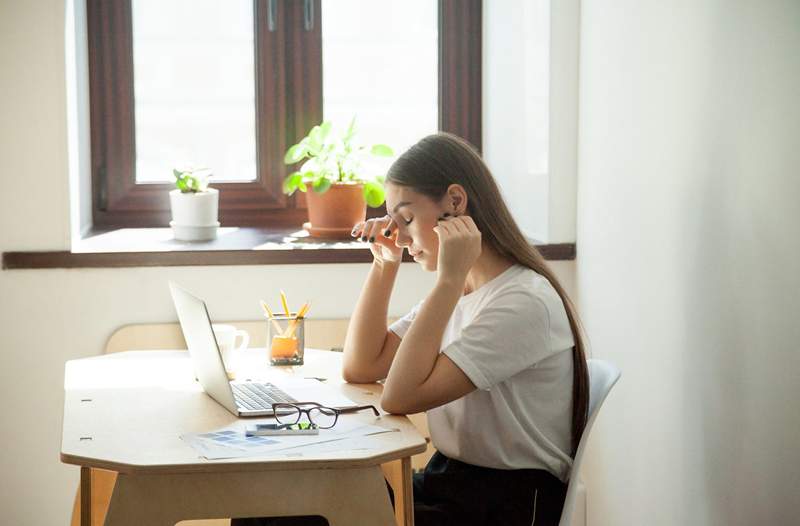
(508, 336)
(401, 326)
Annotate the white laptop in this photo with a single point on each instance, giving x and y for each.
(240, 398)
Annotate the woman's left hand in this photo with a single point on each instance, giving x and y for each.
(459, 248)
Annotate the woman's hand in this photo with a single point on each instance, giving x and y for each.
(380, 233)
(459, 248)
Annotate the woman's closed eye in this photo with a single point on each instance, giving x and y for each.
(407, 221)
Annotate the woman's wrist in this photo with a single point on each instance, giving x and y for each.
(386, 264)
(451, 284)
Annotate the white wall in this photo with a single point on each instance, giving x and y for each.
(50, 316)
(688, 250)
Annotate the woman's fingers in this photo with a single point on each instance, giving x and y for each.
(378, 228)
(375, 226)
(389, 226)
(469, 224)
(459, 246)
(372, 229)
(459, 225)
(456, 225)
(359, 230)
(443, 228)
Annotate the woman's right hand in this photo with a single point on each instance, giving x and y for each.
(383, 246)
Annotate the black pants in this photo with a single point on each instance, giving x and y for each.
(450, 492)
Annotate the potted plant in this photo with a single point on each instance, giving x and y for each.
(334, 168)
(194, 206)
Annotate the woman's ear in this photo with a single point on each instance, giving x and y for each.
(455, 200)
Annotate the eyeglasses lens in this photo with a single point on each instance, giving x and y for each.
(287, 414)
(324, 417)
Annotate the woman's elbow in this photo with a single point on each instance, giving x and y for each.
(350, 376)
(353, 375)
(391, 404)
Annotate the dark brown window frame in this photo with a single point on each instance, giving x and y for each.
(287, 56)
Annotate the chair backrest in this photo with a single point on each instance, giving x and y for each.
(602, 377)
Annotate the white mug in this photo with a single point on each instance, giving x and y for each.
(226, 341)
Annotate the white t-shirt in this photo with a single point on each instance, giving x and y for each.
(512, 338)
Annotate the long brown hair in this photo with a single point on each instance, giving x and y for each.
(429, 168)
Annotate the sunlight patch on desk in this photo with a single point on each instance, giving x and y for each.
(131, 370)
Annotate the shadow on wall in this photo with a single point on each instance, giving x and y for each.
(715, 376)
(741, 224)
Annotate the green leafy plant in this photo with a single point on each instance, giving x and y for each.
(191, 180)
(334, 159)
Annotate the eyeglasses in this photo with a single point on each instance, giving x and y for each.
(323, 417)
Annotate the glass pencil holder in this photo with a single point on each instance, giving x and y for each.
(286, 339)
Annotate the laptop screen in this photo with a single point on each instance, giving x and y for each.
(196, 327)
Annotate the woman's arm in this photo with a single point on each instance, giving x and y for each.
(420, 377)
(369, 346)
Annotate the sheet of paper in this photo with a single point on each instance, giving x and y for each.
(231, 442)
(368, 443)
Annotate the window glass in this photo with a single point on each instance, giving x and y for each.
(380, 64)
(194, 88)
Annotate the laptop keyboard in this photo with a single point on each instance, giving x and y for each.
(259, 396)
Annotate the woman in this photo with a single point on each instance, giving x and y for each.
(493, 353)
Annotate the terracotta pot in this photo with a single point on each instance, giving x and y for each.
(332, 214)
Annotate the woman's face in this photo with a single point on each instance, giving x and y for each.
(415, 215)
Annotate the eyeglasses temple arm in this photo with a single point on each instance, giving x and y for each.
(359, 408)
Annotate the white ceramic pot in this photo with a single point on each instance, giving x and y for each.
(194, 215)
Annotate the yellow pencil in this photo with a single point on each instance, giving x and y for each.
(285, 304)
(271, 317)
(293, 324)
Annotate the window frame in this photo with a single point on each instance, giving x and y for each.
(286, 56)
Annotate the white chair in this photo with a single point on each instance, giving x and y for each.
(602, 377)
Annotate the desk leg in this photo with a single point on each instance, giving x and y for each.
(86, 496)
(345, 497)
(398, 474)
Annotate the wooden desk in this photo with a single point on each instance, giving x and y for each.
(125, 412)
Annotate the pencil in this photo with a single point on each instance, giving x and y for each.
(285, 304)
(300, 315)
(271, 317)
(304, 310)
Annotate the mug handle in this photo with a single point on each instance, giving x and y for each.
(245, 340)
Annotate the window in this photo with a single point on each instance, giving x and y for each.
(194, 88)
(380, 64)
(231, 84)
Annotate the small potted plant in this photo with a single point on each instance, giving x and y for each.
(194, 206)
(334, 169)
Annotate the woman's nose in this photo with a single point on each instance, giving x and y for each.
(402, 240)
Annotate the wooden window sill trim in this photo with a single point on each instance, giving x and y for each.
(155, 247)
